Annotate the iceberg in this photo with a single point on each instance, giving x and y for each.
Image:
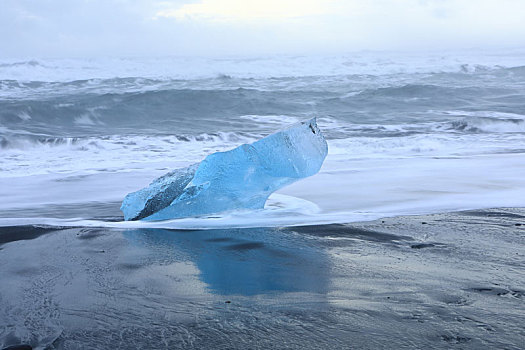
(242, 178)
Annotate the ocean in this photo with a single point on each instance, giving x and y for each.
(408, 133)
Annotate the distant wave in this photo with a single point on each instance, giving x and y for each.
(31, 63)
(169, 111)
(174, 110)
(421, 91)
(369, 63)
(143, 81)
(517, 70)
(489, 125)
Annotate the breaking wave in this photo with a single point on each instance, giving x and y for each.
(27, 141)
(489, 125)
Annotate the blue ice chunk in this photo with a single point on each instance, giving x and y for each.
(242, 178)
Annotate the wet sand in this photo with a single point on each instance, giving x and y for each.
(442, 281)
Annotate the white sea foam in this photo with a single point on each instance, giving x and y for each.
(28, 157)
(277, 120)
(361, 179)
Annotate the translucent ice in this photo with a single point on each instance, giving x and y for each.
(243, 177)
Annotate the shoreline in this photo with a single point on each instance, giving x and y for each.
(236, 220)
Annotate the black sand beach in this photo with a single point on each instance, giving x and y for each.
(445, 281)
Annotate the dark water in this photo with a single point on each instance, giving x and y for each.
(129, 106)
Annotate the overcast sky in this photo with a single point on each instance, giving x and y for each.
(72, 28)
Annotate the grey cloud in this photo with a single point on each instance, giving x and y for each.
(124, 27)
